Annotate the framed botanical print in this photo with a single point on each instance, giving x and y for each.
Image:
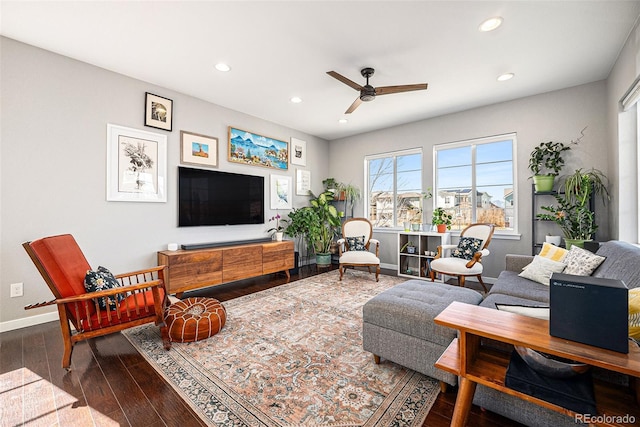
(281, 192)
(136, 165)
(196, 149)
(158, 112)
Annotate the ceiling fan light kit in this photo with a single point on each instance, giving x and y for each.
(367, 92)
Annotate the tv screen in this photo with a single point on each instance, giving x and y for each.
(207, 197)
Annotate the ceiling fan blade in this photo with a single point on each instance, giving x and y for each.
(344, 80)
(353, 106)
(385, 90)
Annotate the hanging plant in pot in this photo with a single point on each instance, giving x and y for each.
(545, 162)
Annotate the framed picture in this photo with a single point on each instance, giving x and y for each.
(298, 152)
(250, 148)
(281, 192)
(198, 149)
(303, 182)
(158, 112)
(136, 165)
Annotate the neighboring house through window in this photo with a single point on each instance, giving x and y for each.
(394, 188)
(474, 181)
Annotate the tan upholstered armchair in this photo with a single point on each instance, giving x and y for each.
(140, 297)
(355, 246)
(465, 258)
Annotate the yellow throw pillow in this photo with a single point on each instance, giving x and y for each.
(553, 252)
(634, 313)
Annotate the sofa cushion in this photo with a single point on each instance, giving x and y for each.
(581, 262)
(541, 269)
(410, 307)
(502, 299)
(622, 262)
(553, 252)
(509, 283)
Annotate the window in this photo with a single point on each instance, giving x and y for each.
(394, 188)
(475, 181)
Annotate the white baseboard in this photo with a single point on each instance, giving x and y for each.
(25, 322)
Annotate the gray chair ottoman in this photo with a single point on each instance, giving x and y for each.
(398, 325)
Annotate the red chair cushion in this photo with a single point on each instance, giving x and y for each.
(145, 310)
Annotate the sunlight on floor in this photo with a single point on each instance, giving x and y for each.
(28, 399)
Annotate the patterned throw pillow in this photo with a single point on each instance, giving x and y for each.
(541, 269)
(634, 313)
(553, 252)
(581, 262)
(356, 243)
(467, 247)
(100, 280)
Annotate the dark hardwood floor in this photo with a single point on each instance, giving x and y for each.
(111, 383)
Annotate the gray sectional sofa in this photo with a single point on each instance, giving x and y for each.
(398, 324)
(622, 262)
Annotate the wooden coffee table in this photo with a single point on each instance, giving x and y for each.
(477, 364)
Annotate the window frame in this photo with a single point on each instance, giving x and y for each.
(473, 143)
(394, 155)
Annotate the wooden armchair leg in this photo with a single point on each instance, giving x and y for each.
(482, 283)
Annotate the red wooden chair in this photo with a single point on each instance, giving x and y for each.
(141, 298)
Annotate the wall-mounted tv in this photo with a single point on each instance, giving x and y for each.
(208, 197)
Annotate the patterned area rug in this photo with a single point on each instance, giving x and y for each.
(292, 356)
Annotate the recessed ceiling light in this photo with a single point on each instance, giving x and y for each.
(343, 121)
(223, 67)
(296, 100)
(505, 77)
(490, 24)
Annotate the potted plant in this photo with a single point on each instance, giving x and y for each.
(573, 213)
(410, 247)
(441, 219)
(278, 230)
(330, 184)
(318, 224)
(545, 162)
(350, 194)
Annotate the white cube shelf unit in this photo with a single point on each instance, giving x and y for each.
(416, 265)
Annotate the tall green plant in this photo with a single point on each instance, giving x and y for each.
(317, 223)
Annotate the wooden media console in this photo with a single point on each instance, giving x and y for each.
(199, 268)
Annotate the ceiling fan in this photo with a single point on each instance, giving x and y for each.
(368, 92)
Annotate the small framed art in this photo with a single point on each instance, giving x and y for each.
(198, 149)
(303, 182)
(298, 154)
(158, 112)
(136, 165)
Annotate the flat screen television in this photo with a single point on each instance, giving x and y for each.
(208, 197)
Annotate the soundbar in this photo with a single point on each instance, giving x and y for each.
(192, 246)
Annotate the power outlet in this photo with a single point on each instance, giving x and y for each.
(16, 290)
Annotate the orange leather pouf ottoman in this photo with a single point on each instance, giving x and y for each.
(194, 319)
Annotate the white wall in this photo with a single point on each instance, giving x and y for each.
(55, 112)
(623, 143)
(558, 116)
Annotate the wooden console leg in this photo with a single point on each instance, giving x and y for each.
(463, 402)
(376, 359)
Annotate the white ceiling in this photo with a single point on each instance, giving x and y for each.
(281, 49)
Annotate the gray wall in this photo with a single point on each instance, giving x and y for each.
(55, 112)
(558, 116)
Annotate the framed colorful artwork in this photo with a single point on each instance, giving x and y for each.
(158, 112)
(136, 165)
(298, 154)
(281, 192)
(249, 148)
(198, 149)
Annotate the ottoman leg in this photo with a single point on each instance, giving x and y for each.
(376, 359)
